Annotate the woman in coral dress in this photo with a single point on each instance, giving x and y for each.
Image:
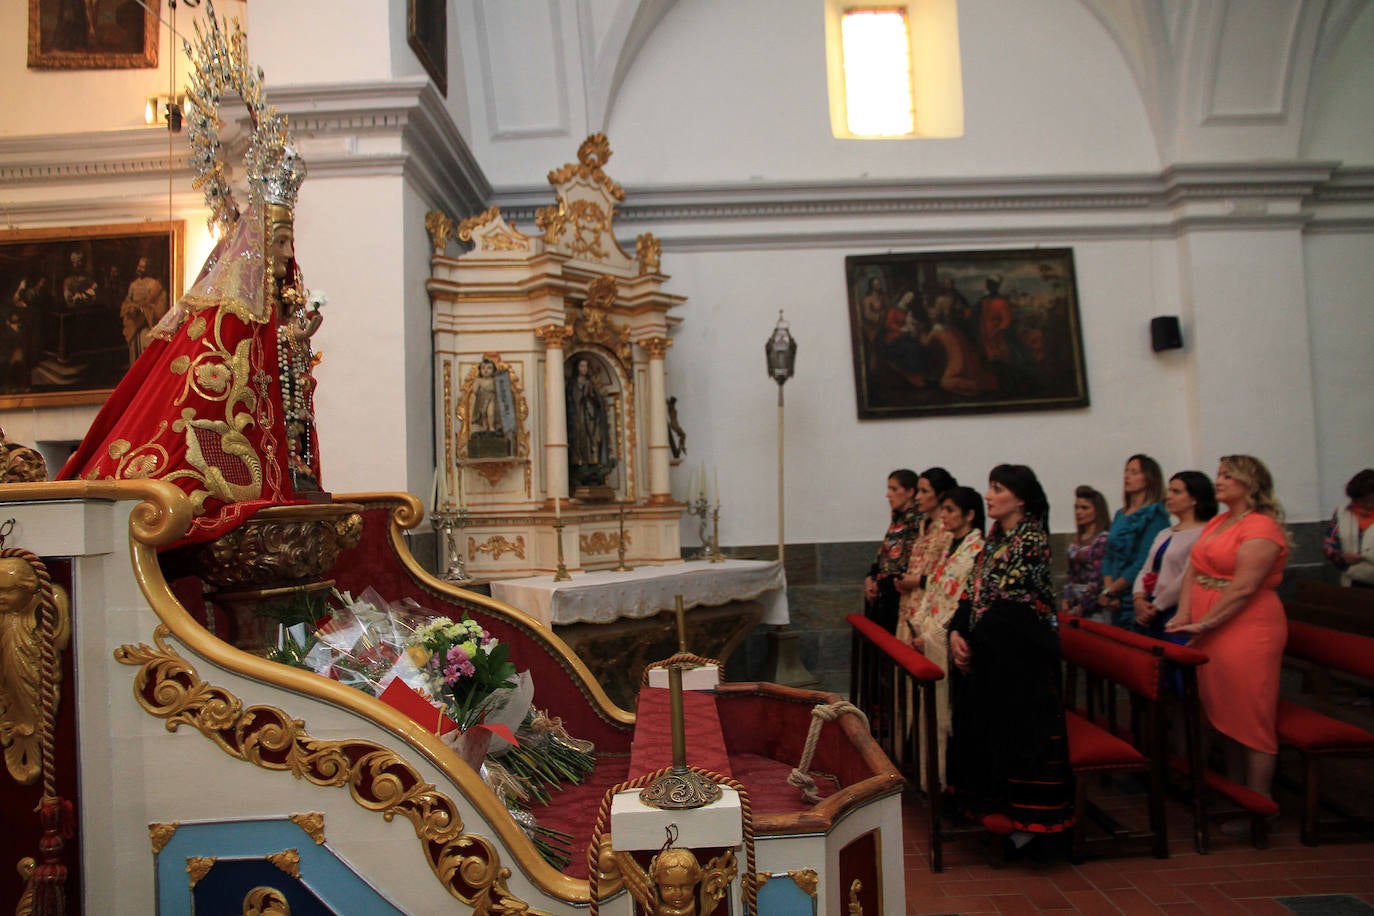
(1229, 606)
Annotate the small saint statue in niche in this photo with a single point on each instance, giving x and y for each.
(492, 412)
(590, 458)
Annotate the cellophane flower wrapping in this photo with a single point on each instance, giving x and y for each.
(456, 666)
(463, 667)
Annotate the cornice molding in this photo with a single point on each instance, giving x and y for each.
(395, 128)
(1178, 200)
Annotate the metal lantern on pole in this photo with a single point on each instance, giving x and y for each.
(784, 665)
(781, 351)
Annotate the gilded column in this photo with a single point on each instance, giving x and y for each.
(659, 490)
(555, 412)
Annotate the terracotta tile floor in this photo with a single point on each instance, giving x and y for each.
(1233, 878)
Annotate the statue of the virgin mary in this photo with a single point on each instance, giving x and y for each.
(221, 402)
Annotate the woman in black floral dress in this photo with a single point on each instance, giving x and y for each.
(1008, 758)
(881, 598)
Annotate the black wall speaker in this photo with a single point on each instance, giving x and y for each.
(1165, 333)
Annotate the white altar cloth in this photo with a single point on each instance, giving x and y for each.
(602, 596)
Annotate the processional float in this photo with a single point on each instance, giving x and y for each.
(174, 732)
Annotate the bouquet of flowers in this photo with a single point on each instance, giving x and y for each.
(462, 667)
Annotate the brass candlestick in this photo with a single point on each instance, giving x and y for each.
(562, 575)
(680, 787)
(620, 544)
(681, 613)
(716, 555)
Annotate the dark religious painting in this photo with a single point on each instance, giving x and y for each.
(77, 307)
(427, 32)
(92, 34)
(965, 332)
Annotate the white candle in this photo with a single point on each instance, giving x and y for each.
(443, 486)
(715, 485)
(558, 508)
(434, 491)
(460, 488)
(701, 483)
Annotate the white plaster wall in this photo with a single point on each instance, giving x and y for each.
(326, 41)
(1340, 112)
(1340, 293)
(350, 234)
(1254, 388)
(706, 103)
(308, 42)
(63, 101)
(836, 465)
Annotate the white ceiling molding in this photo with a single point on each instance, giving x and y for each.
(57, 159)
(1179, 199)
(397, 128)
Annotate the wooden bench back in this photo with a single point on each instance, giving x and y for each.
(1133, 668)
(1334, 650)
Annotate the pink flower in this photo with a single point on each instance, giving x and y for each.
(459, 666)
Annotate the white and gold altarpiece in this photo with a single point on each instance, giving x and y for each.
(549, 354)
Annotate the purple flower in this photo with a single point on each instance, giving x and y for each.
(459, 665)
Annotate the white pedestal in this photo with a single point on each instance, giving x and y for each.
(636, 826)
(705, 677)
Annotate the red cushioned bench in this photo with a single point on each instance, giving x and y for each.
(1315, 735)
(1094, 749)
(1183, 662)
(1201, 781)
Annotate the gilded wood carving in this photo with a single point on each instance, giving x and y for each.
(27, 596)
(377, 778)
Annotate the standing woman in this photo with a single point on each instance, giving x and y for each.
(961, 515)
(1230, 608)
(1135, 525)
(930, 546)
(1086, 552)
(881, 598)
(1008, 755)
(1193, 501)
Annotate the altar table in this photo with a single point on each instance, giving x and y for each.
(604, 596)
(620, 622)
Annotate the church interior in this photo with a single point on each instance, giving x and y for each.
(626, 309)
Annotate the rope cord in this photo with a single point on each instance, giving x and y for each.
(800, 778)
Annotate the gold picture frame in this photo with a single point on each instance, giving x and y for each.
(958, 332)
(76, 306)
(80, 35)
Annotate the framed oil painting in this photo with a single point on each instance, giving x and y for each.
(955, 332)
(92, 34)
(427, 33)
(77, 307)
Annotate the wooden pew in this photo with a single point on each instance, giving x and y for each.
(1315, 735)
(895, 685)
(1350, 610)
(1095, 747)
